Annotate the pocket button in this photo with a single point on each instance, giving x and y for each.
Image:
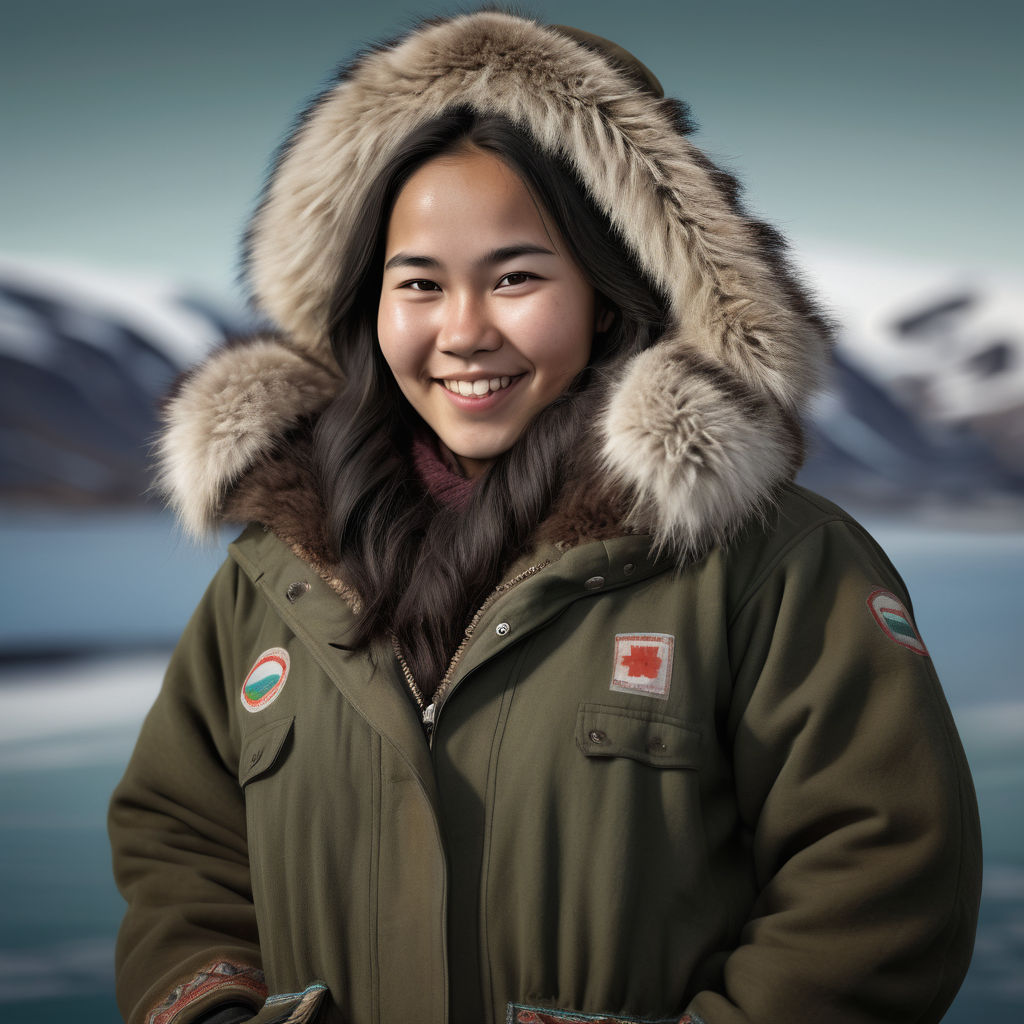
(596, 736)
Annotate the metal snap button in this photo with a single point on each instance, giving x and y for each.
(596, 736)
(502, 629)
(594, 583)
(296, 590)
(255, 758)
(628, 569)
(656, 746)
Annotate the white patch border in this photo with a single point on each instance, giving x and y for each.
(658, 687)
(875, 600)
(268, 699)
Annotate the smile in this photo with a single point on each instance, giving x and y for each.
(477, 388)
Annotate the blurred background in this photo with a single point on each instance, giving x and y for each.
(884, 139)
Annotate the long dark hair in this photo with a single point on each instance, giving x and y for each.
(422, 570)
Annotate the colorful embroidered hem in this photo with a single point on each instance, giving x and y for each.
(519, 1014)
(236, 979)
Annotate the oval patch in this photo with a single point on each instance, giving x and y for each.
(266, 679)
(895, 621)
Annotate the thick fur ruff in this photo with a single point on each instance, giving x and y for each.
(698, 431)
(227, 416)
(689, 441)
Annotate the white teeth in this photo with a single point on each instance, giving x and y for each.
(477, 388)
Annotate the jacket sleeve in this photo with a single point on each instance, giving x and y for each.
(188, 942)
(854, 794)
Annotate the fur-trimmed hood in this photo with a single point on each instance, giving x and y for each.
(699, 430)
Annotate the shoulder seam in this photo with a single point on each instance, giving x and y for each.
(763, 575)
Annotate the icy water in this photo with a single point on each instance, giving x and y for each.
(67, 726)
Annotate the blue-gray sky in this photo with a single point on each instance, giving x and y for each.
(135, 134)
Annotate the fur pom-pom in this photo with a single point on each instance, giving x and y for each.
(227, 415)
(696, 449)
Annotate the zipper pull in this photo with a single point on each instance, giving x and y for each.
(428, 718)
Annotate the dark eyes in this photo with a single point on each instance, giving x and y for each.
(517, 277)
(511, 280)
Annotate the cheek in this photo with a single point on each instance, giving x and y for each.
(396, 336)
(563, 334)
(563, 310)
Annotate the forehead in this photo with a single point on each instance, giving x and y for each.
(462, 199)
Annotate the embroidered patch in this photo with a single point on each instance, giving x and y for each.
(265, 680)
(895, 621)
(519, 1014)
(643, 663)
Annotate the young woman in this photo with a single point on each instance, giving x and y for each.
(536, 691)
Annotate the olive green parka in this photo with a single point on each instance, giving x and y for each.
(691, 761)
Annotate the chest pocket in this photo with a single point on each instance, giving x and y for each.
(648, 737)
(265, 749)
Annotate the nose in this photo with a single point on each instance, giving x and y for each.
(467, 326)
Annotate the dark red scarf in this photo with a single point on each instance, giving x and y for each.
(447, 486)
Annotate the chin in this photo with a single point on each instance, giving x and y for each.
(476, 451)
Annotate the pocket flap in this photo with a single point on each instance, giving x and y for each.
(262, 750)
(645, 736)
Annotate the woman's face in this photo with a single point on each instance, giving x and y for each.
(484, 318)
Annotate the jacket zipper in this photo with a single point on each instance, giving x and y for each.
(429, 712)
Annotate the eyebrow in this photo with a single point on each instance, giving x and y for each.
(500, 255)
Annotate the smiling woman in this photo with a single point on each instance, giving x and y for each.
(536, 691)
(476, 257)
(506, 319)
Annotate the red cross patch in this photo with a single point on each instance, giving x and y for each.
(643, 663)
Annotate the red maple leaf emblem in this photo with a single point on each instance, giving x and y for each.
(642, 661)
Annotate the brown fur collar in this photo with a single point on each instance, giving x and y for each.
(698, 431)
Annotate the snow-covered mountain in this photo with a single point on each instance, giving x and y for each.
(925, 404)
(84, 360)
(926, 401)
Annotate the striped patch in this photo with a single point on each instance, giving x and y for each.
(265, 680)
(895, 621)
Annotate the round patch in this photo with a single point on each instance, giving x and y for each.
(895, 621)
(265, 679)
